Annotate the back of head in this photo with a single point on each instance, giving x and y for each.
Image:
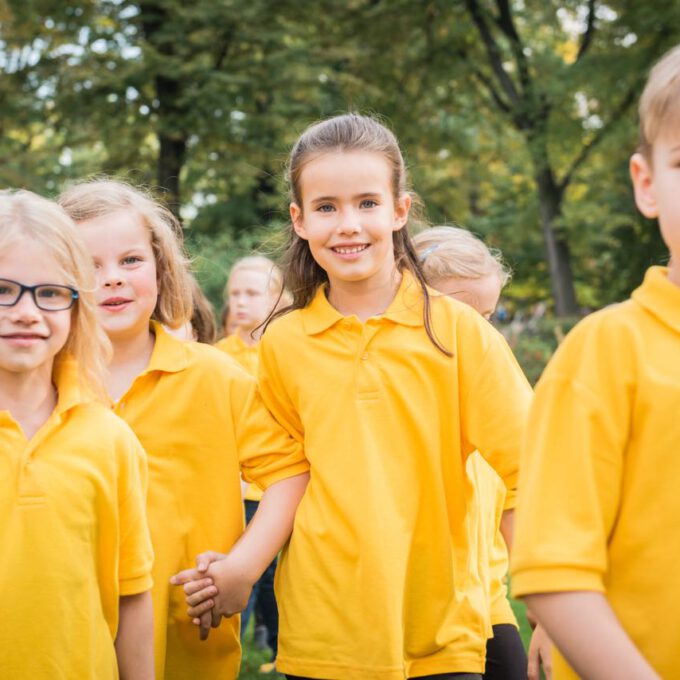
(91, 199)
(451, 252)
(25, 215)
(659, 108)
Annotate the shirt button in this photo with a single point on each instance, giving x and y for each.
(364, 356)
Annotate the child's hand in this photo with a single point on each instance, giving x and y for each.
(540, 655)
(199, 589)
(234, 582)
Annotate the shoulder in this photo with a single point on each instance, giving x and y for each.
(210, 375)
(284, 331)
(601, 350)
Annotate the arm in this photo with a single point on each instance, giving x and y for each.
(134, 642)
(235, 574)
(507, 528)
(587, 632)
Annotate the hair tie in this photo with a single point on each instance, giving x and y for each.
(427, 251)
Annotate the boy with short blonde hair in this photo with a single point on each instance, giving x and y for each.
(598, 521)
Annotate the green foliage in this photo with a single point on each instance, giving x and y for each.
(118, 87)
(534, 344)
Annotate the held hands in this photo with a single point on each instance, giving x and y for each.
(220, 585)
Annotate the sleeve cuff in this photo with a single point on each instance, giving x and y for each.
(555, 580)
(266, 480)
(510, 499)
(134, 586)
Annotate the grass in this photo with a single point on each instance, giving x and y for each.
(254, 658)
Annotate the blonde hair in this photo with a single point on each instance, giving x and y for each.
(450, 251)
(659, 107)
(90, 199)
(25, 215)
(259, 263)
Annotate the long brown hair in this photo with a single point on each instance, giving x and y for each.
(349, 132)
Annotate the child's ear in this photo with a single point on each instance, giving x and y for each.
(643, 185)
(296, 219)
(401, 210)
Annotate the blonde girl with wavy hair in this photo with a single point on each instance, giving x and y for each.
(76, 548)
(197, 414)
(458, 264)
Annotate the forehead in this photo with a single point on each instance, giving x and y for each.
(248, 278)
(346, 172)
(118, 230)
(30, 262)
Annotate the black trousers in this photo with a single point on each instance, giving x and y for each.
(505, 655)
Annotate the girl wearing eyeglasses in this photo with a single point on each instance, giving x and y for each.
(75, 564)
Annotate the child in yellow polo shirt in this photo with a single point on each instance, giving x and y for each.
(598, 536)
(458, 264)
(390, 388)
(75, 564)
(197, 414)
(253, 290)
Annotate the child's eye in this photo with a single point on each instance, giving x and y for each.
(325, 207)
(368, 203)
(131, 259)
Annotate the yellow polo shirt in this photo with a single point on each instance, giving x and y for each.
(246, 356)
(485, 514)
(379, 579)
(599, 508)
(199, 416)
(74, 538)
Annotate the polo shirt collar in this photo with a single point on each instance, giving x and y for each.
(406, 308)
(660, 297)
(169, 353)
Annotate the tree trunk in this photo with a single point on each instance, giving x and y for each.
(550, 197)
(171, 157)
(556, 249)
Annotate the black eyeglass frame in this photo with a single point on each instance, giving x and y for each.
(32, 290)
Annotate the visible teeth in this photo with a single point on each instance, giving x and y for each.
(348, 251)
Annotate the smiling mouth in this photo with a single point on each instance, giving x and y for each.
(23, 336)
(349, 250)
(114, 303)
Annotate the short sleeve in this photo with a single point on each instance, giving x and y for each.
(572, 469)
(267, 452)
(495, 400)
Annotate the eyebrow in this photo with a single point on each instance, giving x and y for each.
(366, 194)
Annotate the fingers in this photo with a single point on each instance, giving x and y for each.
(196, 611)
(205, 559)
(533, 664)
(193, 587)
(204, 625)
(199, 596)
(185, 576)
(546, 662)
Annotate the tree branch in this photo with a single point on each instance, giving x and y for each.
(493, 52)
(630, 97)
(506, 23)
(587, 38)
